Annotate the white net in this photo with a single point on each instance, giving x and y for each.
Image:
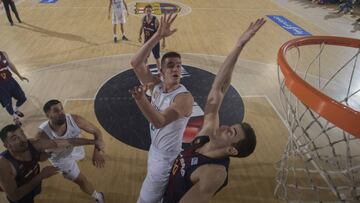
(321, 162)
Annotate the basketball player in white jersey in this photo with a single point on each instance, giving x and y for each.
(168, 113)
(67, 126)
(118, 16)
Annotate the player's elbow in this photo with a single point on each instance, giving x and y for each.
(14, 196)
(135, 63)
(206, 191)
(158, 124)
(97, 133)
(216, 92)
(214, 99)
(209, 189)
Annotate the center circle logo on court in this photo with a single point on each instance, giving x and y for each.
(159, 8)
(118, 114)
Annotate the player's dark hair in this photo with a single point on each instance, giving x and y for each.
(170, 54)
(148, 6)
(246, 146)
(9, 128)
(49, 104)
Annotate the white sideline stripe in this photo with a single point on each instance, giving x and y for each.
(52, 67)
(76, 99)
(273, 106)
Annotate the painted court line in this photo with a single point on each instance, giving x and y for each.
(247, 96)
(77, 99)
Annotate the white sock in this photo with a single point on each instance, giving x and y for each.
(15, 109)
(96, 195)
(15, 116)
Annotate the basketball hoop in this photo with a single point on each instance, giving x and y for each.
(321, 161)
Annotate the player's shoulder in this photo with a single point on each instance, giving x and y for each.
(211, 175)
(216, 171)
(4, 163)
(185, 96)
(75, 117)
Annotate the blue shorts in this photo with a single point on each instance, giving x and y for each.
(156, 51)
(29, 198)
(9, 89)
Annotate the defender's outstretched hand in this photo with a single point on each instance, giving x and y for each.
(251, 31)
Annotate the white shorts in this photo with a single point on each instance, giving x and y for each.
(68, 167)
(66, 163)
(158, 171)
(118, 17)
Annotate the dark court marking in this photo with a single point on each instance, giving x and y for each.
(119, 115)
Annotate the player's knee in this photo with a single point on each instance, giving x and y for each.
(21, 101)
(9, 108)
(156, 55)
(80, 180)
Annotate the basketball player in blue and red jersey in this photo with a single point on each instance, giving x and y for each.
(9, 88)
(20, 175)
(201, 170)
(150, 24)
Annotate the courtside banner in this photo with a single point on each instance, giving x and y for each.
(288, 25)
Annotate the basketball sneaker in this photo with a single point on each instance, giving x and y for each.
(101, 198)
(19, 113)
(17, 121)
(125, 38)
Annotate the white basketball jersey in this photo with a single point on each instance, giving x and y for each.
(72, 131)
(117, 6)
(168, 138)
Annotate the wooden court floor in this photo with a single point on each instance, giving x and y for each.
(66, 51)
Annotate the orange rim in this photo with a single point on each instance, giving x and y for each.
(340, 115)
